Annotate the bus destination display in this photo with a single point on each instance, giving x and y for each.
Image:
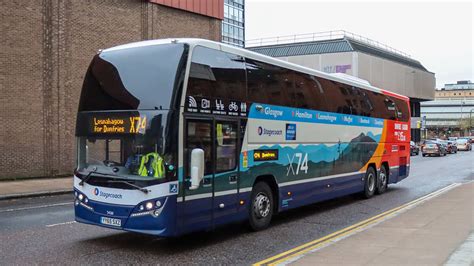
(117, 125)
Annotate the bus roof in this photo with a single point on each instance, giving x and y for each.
(354, 81)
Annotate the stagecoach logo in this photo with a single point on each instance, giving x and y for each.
(106, 195)
(269, 132)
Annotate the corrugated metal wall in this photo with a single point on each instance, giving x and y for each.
(211, 8)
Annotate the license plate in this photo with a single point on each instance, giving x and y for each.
(110, 221)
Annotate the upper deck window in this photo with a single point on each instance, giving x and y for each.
(142, 78)
(216, 74)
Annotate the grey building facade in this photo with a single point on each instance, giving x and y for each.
(452, 111)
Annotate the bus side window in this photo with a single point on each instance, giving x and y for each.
(391, 109)
(402, 109)
(366, 106)
(216, 74)
(337, 95)
(309, 92)
(269, 84)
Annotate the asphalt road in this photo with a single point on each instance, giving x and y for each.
(41, 230)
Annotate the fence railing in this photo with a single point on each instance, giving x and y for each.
(320, 36)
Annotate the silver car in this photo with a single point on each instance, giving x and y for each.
(433, 148)
(463, 145)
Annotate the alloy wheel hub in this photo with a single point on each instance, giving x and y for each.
(261, 206)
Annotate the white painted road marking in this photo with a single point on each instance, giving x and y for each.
(65, 223)
(37, 207)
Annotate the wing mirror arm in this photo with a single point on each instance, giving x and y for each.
(197, 168)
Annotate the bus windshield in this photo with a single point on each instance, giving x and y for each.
(128, 145)
(133, 78)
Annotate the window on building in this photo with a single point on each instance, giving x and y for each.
(226, 11)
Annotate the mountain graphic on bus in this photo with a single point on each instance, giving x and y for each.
(322, 159)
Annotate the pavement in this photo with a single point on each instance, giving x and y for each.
(35, 187)
(437, 232)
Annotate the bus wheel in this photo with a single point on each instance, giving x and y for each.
(370, 182)
(261, 207)
(382, 181)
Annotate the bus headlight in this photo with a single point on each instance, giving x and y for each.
(149, 205)
(80, 197)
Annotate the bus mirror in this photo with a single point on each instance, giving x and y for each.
(197, 168)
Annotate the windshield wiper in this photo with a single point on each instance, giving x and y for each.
(144, 190)
(88, 176)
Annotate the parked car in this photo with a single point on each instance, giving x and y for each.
(469, 139)
(452, 148)
(463, 145)
(434, 148)
(414, 149)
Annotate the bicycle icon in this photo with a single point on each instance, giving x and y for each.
(233, 106)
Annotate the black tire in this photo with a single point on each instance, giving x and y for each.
(261, 206)
(382, 181)
(370, 184)
(424, 155)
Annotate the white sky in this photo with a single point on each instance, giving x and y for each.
(438, 34)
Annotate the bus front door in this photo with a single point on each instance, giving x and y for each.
(215, 201)
(226, 175)
(197, 206)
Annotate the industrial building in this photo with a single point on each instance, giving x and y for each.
(355, 55)
(452, 111)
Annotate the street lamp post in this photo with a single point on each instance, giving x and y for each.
(462, 114)
(470, 121)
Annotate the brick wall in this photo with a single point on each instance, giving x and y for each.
(45, 50)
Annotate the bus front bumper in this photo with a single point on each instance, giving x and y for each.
(153, 221)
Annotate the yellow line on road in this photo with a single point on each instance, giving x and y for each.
(300, 250)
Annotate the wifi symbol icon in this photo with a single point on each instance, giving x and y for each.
(192, 102)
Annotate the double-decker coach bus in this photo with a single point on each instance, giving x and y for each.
(175, 136)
